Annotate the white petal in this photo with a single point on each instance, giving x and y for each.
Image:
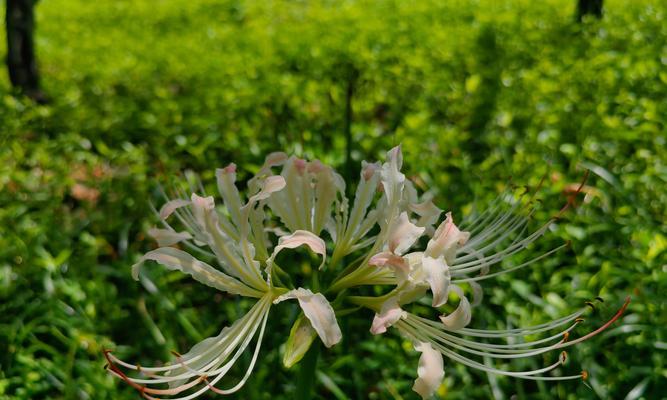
(390, 313)
(226, 178)
(299, 238)
(403, 234)
(320, 313)
(392, 178)
(461, 317)
(446, 240)
(327, 186)
(167, 237)
(169, 207)
(438, 277)
(178, 260)
(430, 371)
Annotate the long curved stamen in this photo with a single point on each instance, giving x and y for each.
(503, 333)
(256, 317)
(416, 335)
(506, 270)
(484, 351)
(424, 330)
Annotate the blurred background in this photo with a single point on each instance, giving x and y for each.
(133, 93)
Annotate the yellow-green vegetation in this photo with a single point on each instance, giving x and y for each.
(476, 91)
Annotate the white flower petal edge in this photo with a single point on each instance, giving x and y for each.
(390, 313)
(430, 371)
(320, 313)
(300, 238)
(461, 317)
(172, 206)
(168, 237)
(178, 260)
(438, 277)
(446, 240)
(403, 234)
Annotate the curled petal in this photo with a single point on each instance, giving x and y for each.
(403, 234)
(299, 238)
(272, 184)
(438, 277)
(390, 313)
(320, 313)
(461, 317)
(178, 260)
(167, 237)
(446, 240)
(430, 371)
(169, 207)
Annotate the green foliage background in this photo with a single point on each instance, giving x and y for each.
(476, 91)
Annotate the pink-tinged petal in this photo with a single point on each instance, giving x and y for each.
(446, 240)
(461, 317)
(178, 260)
(393, 261)
(275, 159)
(204, 203)
(270, 185)
(368, 170)
(386, 257)
(430, 372)
(300, 238)
(167, 237)
(172, 206)
(403, 234)
(320, 313)
(389, 314)
(438, 277)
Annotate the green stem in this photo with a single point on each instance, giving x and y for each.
(306, 378)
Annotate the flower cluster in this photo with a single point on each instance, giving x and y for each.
(380, 230)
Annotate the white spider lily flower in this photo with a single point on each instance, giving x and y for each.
(236, 247)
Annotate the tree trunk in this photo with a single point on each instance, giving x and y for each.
(589, 7)
(21, 62)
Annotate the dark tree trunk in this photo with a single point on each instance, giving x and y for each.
(589, 7)
(21, 62)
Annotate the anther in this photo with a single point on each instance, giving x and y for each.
(563, 357)
(566, 336)
(600, 299)
(584, 375)
(590, 304)
(579, 320)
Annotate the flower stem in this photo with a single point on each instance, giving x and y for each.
(306, 378)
